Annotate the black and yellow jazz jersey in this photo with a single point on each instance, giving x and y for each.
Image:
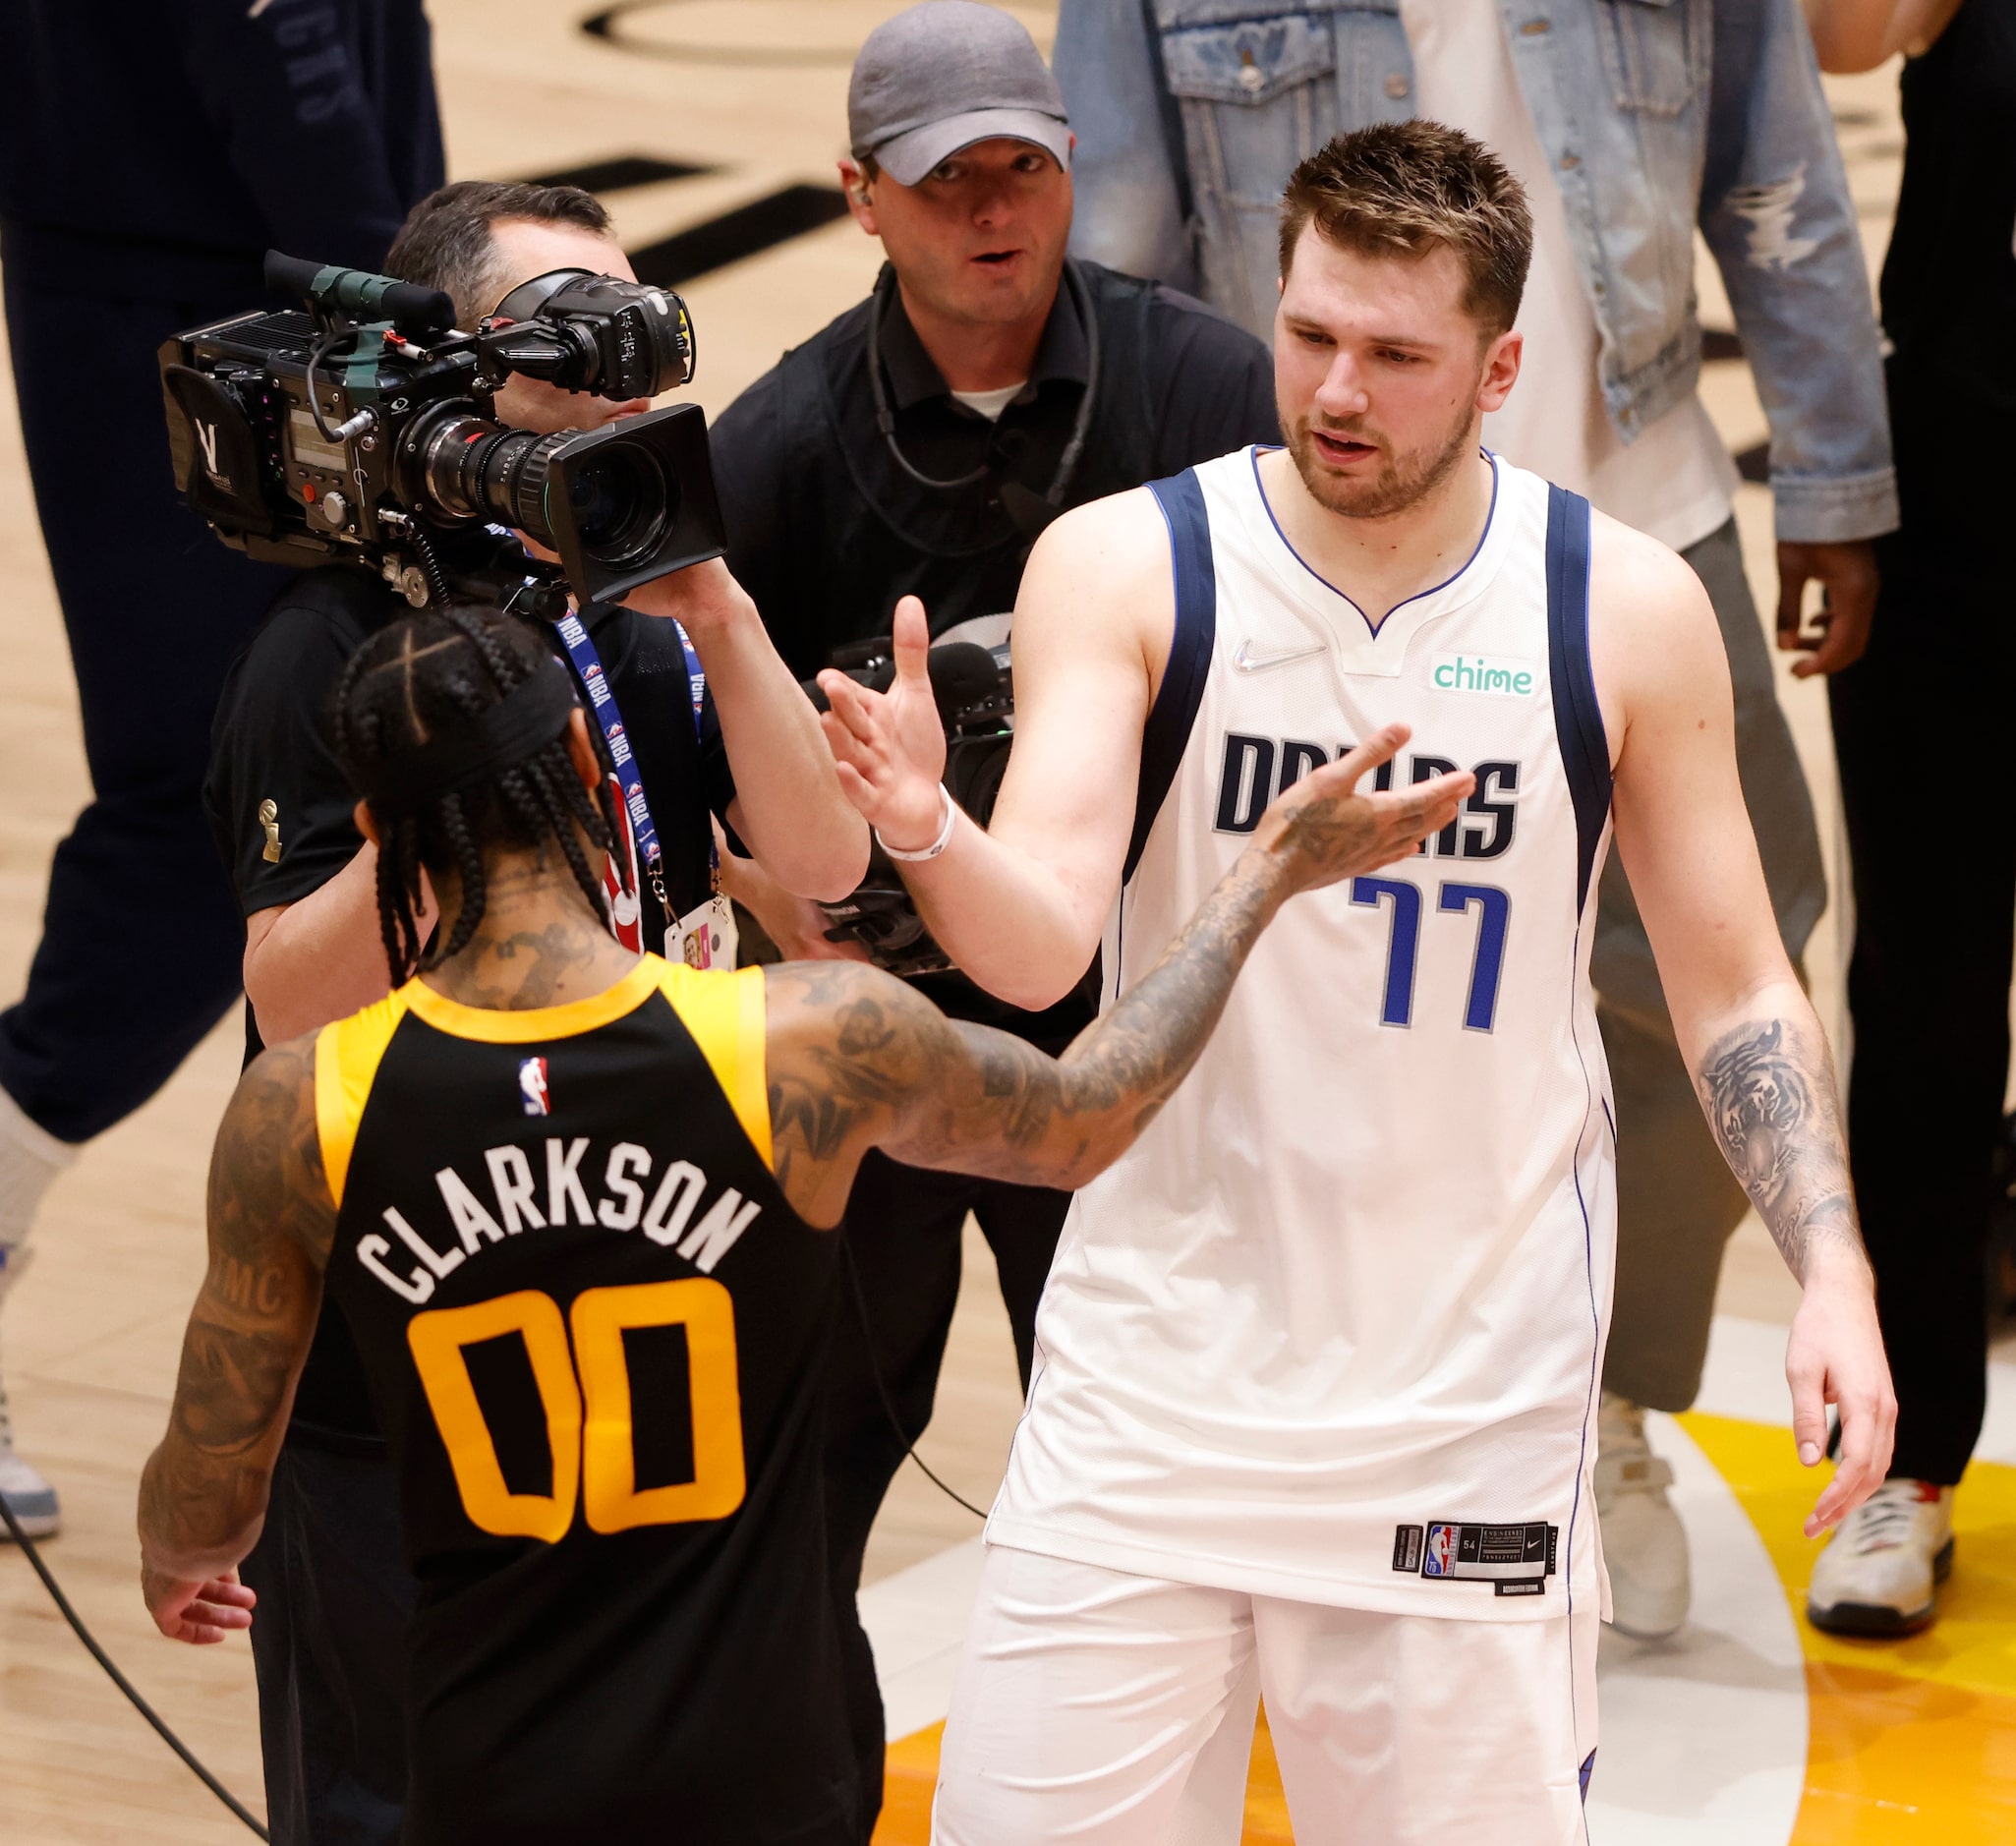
(594, 1330)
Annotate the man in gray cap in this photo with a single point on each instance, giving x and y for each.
(916, 446)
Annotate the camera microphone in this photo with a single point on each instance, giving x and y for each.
(964, 675)
(358, 293)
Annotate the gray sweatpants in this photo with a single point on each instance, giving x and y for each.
(1676, 1201)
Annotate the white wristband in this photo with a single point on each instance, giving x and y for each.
(938, 845)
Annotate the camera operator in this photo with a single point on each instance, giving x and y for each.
(916, 446)
(333, 1587)
(148, 155)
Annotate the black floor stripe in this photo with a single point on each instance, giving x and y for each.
(614, 175)
(760, 225)
(1720, 343)
(1755, 464)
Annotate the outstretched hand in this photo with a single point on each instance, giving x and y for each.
(889, 746)
(198, 1611)
(1331, 831)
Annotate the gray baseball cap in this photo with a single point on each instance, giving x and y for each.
(945, 75)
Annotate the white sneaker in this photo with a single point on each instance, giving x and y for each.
(29, 1498)
(30, 1157)
(1877, 1574)
(1644, 1544)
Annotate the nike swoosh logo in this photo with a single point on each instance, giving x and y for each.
(1247, 661)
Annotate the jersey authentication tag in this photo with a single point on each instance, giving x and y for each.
(1516, 1559)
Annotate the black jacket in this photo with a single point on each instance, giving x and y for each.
(163, 145)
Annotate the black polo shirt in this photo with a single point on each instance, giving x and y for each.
(827, 530)
(271, 741)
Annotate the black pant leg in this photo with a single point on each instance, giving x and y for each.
(1022, 1224)
(330, 1649)
(1921, 729)
(141, 939)
(269, 1570)
(902, 1228)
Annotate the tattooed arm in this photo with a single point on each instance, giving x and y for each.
(1745, 1028)
(202, 1495)
(859, 1060)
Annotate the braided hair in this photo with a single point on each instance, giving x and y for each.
(419, 683)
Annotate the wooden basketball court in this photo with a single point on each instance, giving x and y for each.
(710, 127)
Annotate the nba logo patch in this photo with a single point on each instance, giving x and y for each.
(532, 1087)
(1440, 1558)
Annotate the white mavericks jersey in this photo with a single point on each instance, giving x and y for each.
(1333, 1329)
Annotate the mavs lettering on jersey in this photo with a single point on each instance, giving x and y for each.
(1254, 769)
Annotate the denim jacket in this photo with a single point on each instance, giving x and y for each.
(1657, 114)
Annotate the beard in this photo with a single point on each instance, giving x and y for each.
(1402, 480)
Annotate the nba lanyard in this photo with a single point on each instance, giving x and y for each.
(602, 700)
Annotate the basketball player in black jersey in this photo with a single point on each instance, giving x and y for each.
(574, 1203)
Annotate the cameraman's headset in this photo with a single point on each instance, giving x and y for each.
(1082, 427)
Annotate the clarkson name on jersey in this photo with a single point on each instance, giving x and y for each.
(620, 1207)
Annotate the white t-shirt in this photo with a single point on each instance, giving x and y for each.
(1676, 480)
(990, 404)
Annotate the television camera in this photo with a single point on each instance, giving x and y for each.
(363, 431)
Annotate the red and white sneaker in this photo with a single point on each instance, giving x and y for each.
(1877, 1573)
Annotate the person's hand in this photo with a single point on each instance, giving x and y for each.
(889, 746)
(1836, 1355)
(1834, 636)
(704, 598)
(1327, 831)
(796, 924)
(200, 1611)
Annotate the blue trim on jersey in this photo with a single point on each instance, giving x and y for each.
(1589, 1248)
(1577, 717)
(1371, 627)
(1166, 735)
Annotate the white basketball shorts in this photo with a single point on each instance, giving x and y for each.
(1102, 1708)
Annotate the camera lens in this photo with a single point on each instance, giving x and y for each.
(623, 504)
(618, 503)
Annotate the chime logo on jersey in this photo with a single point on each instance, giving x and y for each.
(1479, 673)
(532, 1087)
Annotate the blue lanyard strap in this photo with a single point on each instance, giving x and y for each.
(602, 701)
(696, 679)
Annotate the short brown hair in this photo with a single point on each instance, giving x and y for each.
(446, 242)
(1412, 188)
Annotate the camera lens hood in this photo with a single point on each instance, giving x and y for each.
(613, 528)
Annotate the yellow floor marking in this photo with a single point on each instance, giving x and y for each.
(1912, 1743)
(907, 1779)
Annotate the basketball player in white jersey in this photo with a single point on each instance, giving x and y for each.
(1318, 1362)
